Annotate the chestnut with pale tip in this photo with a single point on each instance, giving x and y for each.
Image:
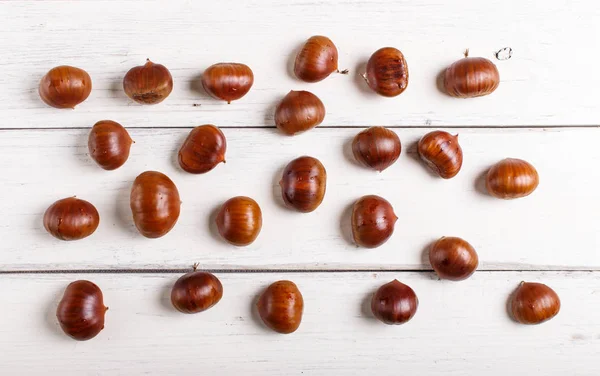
(471, 77)
(149, 83)
(442, 153)
(203, 149)
(239, 221)
(453, 258)
(109, 144)
(71, 219)
(299, 111)
(81, 310)
(317, 59)
(196, 291)
(281, 306)
(387, 72)
(303, 184)
(534, 303)
(512, 178)
(377, 148)
(227, 81)
(373, 221)
(394, 303)
(65, 87)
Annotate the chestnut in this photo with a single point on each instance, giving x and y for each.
(394, 303)
(109, 144)
(471, 77)
(441, 152)
(376, 147)
(65, 87)
(534, 303)
(303, 184)
(155, 204)
(227, 81)
(453, 258)
(149, 83)
(317, 59)
(373, 221)
(298, 112)
(196, 291)
(81, 310)
(239, 221)
(203, 149)
(387, 72)
(512, 178)
(71, 219)
(280, 307)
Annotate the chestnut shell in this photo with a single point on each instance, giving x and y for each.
(512, 178)
(373, 221)
(394, 303)
(377, 148)
(298, 112)
(303, 184)
(81, 310)
(227, 81)
(471, 77)
(442, 153)
(203, 149)
(196, 291)
(280, 307)
(317, 59)
(65, 87)
(149, 83)
(453, 258)
(239, 221)
(71, 219)
(109, 144)
(387, 72)
(534, 303)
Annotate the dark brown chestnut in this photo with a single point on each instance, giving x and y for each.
(280, 307)
(453, 258)
(376, 147)
(149, 83)
(303, 184)
(155, 204)
(65, 87)
(196, 291)
(317, 59)
(442, 153)
(534, 303)
(81, 310)
(298, 112)
(71, 219)
(471, 77)
(512, 178)
(239, 221)
(227, 81)
(387, 72)
(109, 144)
(203, 149)
(373, 221)
(394, 303)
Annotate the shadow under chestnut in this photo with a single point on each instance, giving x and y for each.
(428, 271)
(348, 153)
(212, 223)
(51, 319)
(479, 183)
(123, 215)
(346, 225)
(276, 188)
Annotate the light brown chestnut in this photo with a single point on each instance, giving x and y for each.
(227, 81)
(471, 77)
(298, 112)
(203, 149)
(239, 221)
(280, 307)
(317, 59)
(303, 184)
(196, 291)
(394, 303)
(512, 178)
(155, 204)
(65, 87)
(534, 303)
(109, 144)
(149, 83)
(81, 310)
(71, 219)
(441, 152)
(387, 72)
(453, 258)
(373, 221)
(376, 147)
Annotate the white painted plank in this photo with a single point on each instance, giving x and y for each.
(554, 228)
(547, 82)
(459, 329)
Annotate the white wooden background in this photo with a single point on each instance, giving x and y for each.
(546, 111)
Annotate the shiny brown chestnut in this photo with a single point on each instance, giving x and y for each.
(280, 307)
(65, 87)
(534, 303)
(303, 184)
(376, 147)
(471, 77)
(155, 204)
(387, 72)
(394, 303)
(442, 153)
(71, 219)
(196, 291)
(81, 310)
(317, 59)
(203, 149)
(298, 112)
(512, 178)
(149, 83)
(109, 144)
(453, 258)
(373, 221)
(227, 81)
(239, 221)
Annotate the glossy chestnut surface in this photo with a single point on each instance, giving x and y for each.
(71, 219)
(280, 307)
(155, 204)
(148, 84)
(373, 221)
(317, 59)
(534, 303)
(109, 144)
(227, 81)
(376, 147)
(196, 291)
(512, 178)
(298, 112)
(471, 77)
(81, 310)
(303, 184)
(203, 149)
(387, 72)
(239, 221)
(65, 87)
(394, 303)
(442, 153)
(453, 258)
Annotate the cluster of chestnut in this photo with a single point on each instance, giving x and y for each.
(155, 202)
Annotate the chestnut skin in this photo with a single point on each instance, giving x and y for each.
(317, 59)
(239, 221)
(377, 148)
(442, 153)
(512, 178)
(155, 204)
(387, 72)
(373, 221)
(471, 77)
(394, 303)
(149, 83)
(303, 184)
(203, 149)
(81, 310)
(227, 81)
(534, 303)
(71, 219)
(109, 144)
(453, 258)
(65, 87)
(196, 291)
(280, 307)
(299, 111)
